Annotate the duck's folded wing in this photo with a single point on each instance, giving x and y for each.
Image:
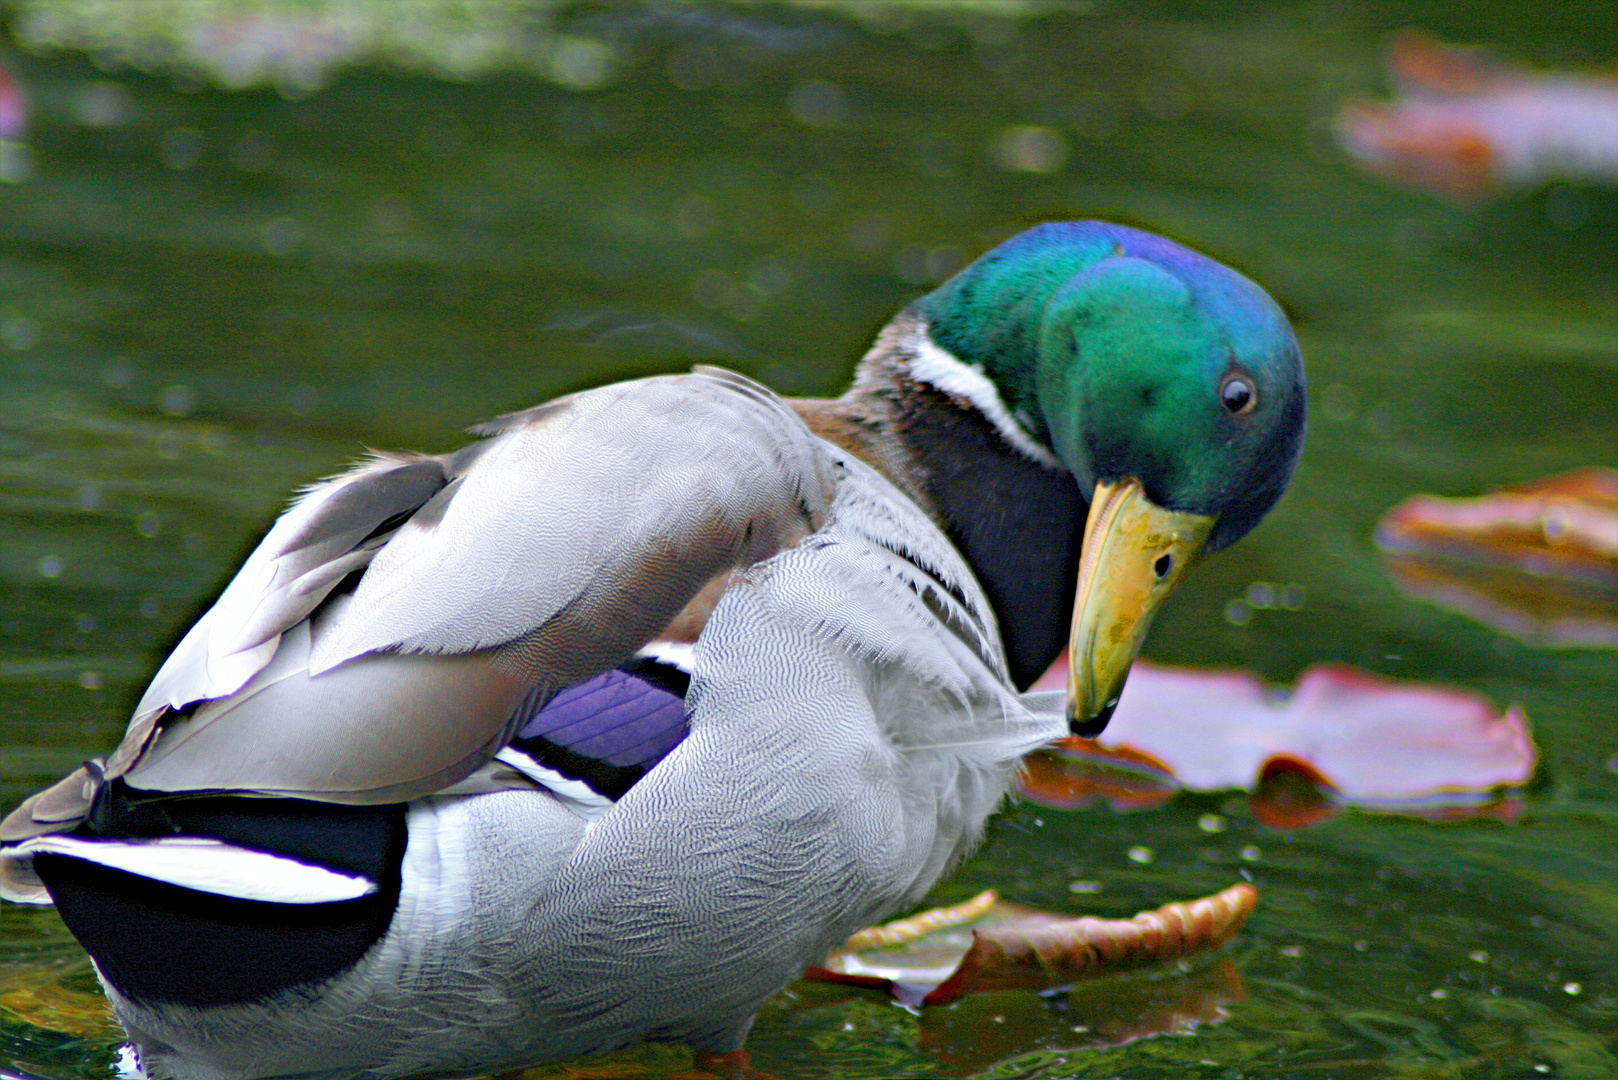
(489, 580)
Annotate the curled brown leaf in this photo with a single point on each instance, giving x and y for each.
(1048, 952)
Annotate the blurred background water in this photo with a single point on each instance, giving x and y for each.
(244, 242)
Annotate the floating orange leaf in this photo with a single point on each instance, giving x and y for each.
(987, 945)
(1538, 561)
(1046, 950)
(1465, 124)
(1342, 737)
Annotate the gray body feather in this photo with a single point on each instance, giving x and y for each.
(851, 728)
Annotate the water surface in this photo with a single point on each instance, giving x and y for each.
(208, 298)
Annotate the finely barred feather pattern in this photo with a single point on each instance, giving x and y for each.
(889, 740)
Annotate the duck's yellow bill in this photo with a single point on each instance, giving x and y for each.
(1135, 553)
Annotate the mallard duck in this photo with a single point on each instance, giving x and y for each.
(601, 728)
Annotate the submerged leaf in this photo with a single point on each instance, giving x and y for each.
(1342, 737)
(984, 945)
(47, 999)
(1538, 561)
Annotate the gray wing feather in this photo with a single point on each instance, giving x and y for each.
(569, 540)
(323, 537)
(604, 517)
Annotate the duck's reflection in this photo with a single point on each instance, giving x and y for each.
(981, 1030)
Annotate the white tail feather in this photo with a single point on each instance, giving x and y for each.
(210, 866)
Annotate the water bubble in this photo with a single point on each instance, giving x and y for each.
(711, 288)
(744, 305)
(1567, 208)
(1478, 956)
(815, 195)
(1293, 951)
(1211, 823)
(1261, 595)
(1339, 402)
(182, 148)
(389, 214)
(148, 524)
(101, 104)
(696, 217)
(870, 233)
(1411, 240)
(1380, 420)
(1142, 854)
(1084, 887)
(1439, 993)
(177, 400)
(1030, 148)
(910, 264)
(84, 623)
(937, 155)
(1292, 597)
(20, 333)
(1237, 613)
(88, 497)
(117, 373)
(942, 262)
(16, 162)
(1362, 946)
(50, 567)
(818, 103)
(281, 236)
(442, 135)
(1573, 989)
(148, 607)
(253, 152)
(302, 399)
(1251, 853)
(90, 680)
(582, 63)
(770, 275)
(693, 66)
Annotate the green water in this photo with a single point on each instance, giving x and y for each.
(220, 296)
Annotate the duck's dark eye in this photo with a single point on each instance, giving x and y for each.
(1162, 566)
(1236, 394)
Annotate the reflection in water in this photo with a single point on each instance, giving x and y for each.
(1086, 1017)
(63, 999)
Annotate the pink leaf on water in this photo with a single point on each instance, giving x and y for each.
(1342, 737)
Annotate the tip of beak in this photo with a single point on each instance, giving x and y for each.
(1089, 728)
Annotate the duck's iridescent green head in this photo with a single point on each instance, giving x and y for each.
(1169, 385)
